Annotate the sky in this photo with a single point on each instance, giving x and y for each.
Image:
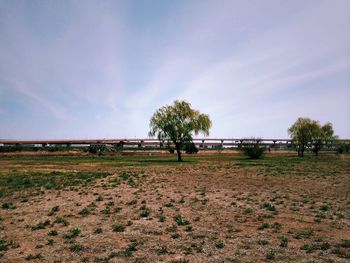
(100, 69)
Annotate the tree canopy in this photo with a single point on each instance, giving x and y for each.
(178, 123)
(309, 133)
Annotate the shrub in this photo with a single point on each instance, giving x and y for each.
(97, 148)
(253, 149)
(190, 148)
(118, 228)
(343, 148)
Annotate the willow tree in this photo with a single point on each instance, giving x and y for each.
(302, 133)
(178, 123)
(309, 133)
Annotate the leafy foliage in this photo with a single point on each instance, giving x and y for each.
(97, 148)
(190, 148)
(307, 133)
(253, 149)
(177, 123)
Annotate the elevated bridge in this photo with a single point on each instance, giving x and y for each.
(153, 143)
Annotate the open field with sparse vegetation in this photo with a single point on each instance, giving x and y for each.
(209, 208)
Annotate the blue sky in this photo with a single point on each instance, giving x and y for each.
(99, 69)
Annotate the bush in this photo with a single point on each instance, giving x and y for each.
(97, 148)
(190, 148)
(343, 148)
(253, 149)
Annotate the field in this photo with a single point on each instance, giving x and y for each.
(209, 208)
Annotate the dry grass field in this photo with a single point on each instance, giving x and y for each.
(210, 208)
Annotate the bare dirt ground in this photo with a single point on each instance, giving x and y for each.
(212, 208)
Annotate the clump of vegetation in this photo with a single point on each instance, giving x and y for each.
(190, 148)
(74, 232)
(144, 211)
(131, 248)
(98, 230)
(284, 242)
(54, 210)
(41, 225)
(53, 233)
(61, 220)
(271, 255)
(181, 221)
(3, 244)
(269, 207)
(84, 212)
(97, 148)
(162, 250)
(219, 245)
(343, 148)
(253, 149)
(76, 247)
(118, 228)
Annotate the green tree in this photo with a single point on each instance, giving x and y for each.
(302, 132)
(309, 133)
(322, 135)
(178, 123)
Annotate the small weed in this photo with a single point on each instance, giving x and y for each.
(73, 232)
(41, 225)
(53, 210)
(162, 250)
(269, 207)
(36, 256)
(264, 226)
(84, 212)
(131, 248)
(324, 207)
(76, 247)
(118, 228)
(181, 221)
(284, 242)
(219, 245)
(98, 230)
(61, 220)
(271, 255)
(53, 233)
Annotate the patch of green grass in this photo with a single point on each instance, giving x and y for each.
(76, 247)
(30, 181)
(181, 221)
(61, 220)
(284, 242)
(162, 250)
(41, 225)
(220, 245)
(85, 212)
(144, 211)
(118, 228)
(269, 207)
(73, 233)
(132, 247)
(271, 255)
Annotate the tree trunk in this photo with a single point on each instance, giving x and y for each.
(177, 146)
